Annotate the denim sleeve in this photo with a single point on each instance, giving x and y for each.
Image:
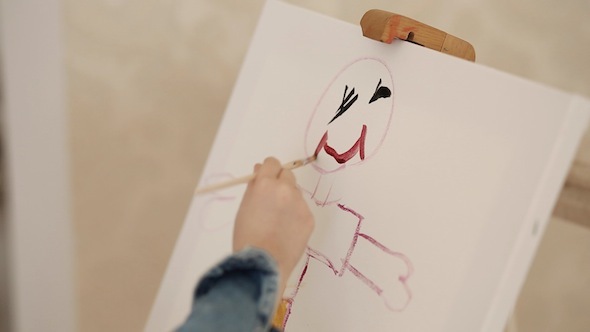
(238, 294)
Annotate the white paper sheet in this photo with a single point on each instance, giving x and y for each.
(432, 219)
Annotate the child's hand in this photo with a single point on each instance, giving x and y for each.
(273, 216)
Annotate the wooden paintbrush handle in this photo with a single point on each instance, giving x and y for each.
(245, 179)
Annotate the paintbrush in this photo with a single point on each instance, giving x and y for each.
(244, 179)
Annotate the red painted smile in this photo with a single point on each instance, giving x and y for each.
(341, 158)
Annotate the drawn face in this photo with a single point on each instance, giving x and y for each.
(352, 117)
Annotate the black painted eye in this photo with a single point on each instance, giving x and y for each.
(380, 92)
(347, 101)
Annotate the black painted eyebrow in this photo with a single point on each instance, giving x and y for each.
(380, 92)
(346, 103)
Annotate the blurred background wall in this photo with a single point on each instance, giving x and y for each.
(148, 82)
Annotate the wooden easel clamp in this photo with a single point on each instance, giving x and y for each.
(384, 26)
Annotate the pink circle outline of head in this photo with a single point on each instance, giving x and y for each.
(312, 146)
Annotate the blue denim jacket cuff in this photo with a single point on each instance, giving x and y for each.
(261, 265)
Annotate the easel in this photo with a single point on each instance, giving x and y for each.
(385, 26)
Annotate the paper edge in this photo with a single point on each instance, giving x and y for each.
(563, 153)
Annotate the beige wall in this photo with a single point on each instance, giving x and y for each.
(148, 83)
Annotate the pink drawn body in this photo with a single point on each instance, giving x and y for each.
(345, 265)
